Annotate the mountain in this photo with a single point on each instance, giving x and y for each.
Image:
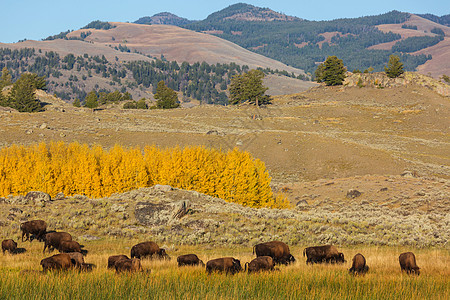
(443, 20)
(164, 18)
(360, 42)
(133, 57)
(246, 12)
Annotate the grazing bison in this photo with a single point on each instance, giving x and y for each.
(60, 261)
(408, 263)
(53, 240)
(189, 260)
(76, 258)
(128, 265)
(224, 264)
(10, 246)
(148, 249)
(320, 254)
(359, 265)
(261, 263)
(69, 246)
(279, 252)
(33, 229)
(112, 260)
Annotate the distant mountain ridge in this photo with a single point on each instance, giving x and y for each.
(247, 12)
(443, 20)
(163, 18)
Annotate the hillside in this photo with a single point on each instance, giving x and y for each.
(164, 18)
(104, 57)
(302, 43)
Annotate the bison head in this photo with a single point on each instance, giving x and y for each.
(237, 266)
(340, 258)
(162, 254)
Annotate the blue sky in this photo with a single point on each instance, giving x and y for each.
(38, 19)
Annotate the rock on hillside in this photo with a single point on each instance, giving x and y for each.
(382, 81)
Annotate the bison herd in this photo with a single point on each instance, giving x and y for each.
(268, 255)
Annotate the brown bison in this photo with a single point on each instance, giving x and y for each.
(33, 229)
(359, 265)
(60, 261)
(76, 258)
(224, 264)
(146, 249)
(279, 252)
(53, 240)
(320, 254)
(189, 260)
(69, 246)
(128, 265)
(10, 246)
(112, 260)
(261, 263)
(408, 263)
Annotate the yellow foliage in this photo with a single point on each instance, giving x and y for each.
(234, 176)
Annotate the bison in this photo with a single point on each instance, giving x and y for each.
(34, 228)
(261, 263)
(60, 261)
(408, 263)
(320, 254)
(53, 240)
(279, 252)
(359, 265)
(76, 258)
(224, 264)
(112, 260)
(10, 246)
(128, 265)
(69, 246)
(148, 249)
(189, 260)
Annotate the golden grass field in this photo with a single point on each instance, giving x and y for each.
(165, 280)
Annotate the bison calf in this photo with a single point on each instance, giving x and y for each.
(261, 263)
(189, 260)
(128, 265)
(10, 246)
(112, 260)
(148, 249)
(359, 265)
(69, 246)
(408, 263)
(53, 240)
(224, 264)
(60, 261)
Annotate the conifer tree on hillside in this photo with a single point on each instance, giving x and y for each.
(332, 71)
(394, 67)
(6, 78)
(165, 96)
(91, 100)
(249, 87)
(22, 96)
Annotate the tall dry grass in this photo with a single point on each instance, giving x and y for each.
(164, 280)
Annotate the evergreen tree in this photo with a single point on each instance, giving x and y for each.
(91, 100)
(394, 67)
(165, 96)
(141, 104)
(76, 103)
(332, 71)
(22, 96)
(248, 87)
(6, 78)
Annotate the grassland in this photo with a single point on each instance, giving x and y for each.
(164, 280)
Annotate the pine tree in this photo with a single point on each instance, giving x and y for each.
(22, 96)
(6, 78)
(165, 96)
(91, 100)
(76, 103)
(248, 87)
(332, 71)
(394, 67)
